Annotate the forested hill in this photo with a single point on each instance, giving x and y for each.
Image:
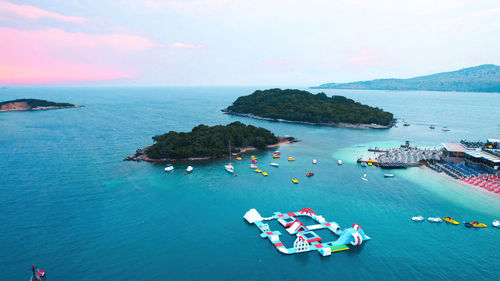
(305, 107)
(483, 78)
(32, 104)
(212, 142)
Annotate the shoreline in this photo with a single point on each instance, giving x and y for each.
(40, 108)
(340, 124)
(140, 154)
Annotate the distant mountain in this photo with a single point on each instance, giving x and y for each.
(483, 78)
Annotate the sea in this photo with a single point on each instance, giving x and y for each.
(72, 206)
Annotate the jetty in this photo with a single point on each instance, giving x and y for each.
(403, 157)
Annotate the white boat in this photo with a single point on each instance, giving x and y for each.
(496, 223)
(417, 218)
(169, 168)
(432, 127)
(339, 162)
(315, 161)
(229, 167)
(436, 219)
(363, 164)
(189, 169)
(388, 175)
(274, 164)
(253, 166)
(364, 177)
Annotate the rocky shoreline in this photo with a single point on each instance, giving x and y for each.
(23, 106)
(342, 125)
(140, 154)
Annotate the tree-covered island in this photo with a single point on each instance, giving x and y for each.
(297, 106)
(204, 142)
(33, 104)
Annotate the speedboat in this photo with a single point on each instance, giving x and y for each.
(38, 275)
(450, 220)
(315, 161)
(276, 156)
(406, 124)
(436, 219)
(294, 180)
(445, 129)
(363, 164)
(274, 164)
(417, 218)
(254, 161)
(239, 158)
(309, 174)
(432, 127)
(388, 175)
(264, 174)
(257, 171)
(291, 159)
(189, 169)
(496, 223)
(253, 166)
(169, 168)
(339, 162)
(277, 153)
(253, 157)
(478, 224)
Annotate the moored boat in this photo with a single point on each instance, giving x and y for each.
(169, 168)
(253, 157)
(276, 156)
(434, 219)
(253, 166)
(254, 161)
(291, 159)
(264, 174)
(37, 274)
(257, 171)
(417, 218)
(478, 224)
(277, 153)
(229, 166)
(496, 223)
(274, 164)
(388, 175)
(189, 169)
(450, 220)
(315, 161)
(432, 127)
(239, 158)
(363, 164)
(339, 162)
(309, 174)
(294, 180)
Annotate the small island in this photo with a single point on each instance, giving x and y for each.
(297, 106)
(205, 143)
(33, 104)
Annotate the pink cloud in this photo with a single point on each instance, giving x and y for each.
(8, 10)
(179, 45)
(53, 55)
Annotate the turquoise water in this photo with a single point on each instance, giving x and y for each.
(71, 205)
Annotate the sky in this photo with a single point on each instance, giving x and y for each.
(241, 42)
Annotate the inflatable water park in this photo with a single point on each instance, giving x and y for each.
(306, 239)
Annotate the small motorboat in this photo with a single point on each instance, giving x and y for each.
(274, 164)
(315, 161)
(339, 162)
(294, 180)
(254, 161)
(169, 168)
(277, 153)
(189, 169)
(406, 124)
(417, 218)
(388, 175)
(432, 127)
(450, 220)
(253, 157)
(496, 223)
(291, 159)
(467, 224)
(257, 171)
(309, 174)
(363, 164)
(478, 224)
(264, 174)
(435, 219)
(276, 156)
(253, 166)
(239, 158)
(370, 163)
(37, 274)
(445, 129)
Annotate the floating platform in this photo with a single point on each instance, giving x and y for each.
(306, 239)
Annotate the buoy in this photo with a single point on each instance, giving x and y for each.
(235, 175)
(185, 173)
(41, 273)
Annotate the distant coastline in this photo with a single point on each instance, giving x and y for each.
(340, 124)
(33, 105)
(140, 154)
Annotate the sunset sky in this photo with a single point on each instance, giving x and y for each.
(248, 42)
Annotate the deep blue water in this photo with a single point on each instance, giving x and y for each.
(71, 205)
